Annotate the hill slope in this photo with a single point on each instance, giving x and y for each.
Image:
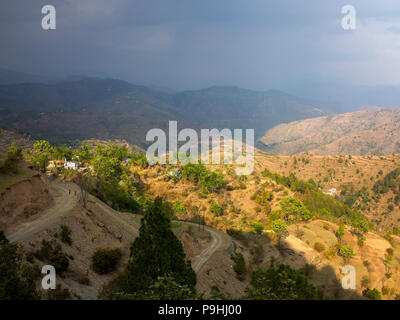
(357, 133)
(114, 109)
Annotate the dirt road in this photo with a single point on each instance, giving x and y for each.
(65, 202)
(219, 241)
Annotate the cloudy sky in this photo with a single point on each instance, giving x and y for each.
(185, 44)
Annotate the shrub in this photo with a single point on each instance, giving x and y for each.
(258, 227)
(208, 180)
(17, 279)
(65, 234)
(294, 210)
(365, 281)
(179, 207)
(58, 293)
(373, 294)
(106, 260)
(53, 255)
(268, 285)
(346, 252)
(240, 265)
(216, 209)
(237, 234)
(320, 247)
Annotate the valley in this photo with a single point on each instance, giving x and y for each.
(218, 226)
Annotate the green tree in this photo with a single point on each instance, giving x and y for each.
(258, 227)
(279, 227)
(17, 279)
(361, 226)
(373, 294)
(163, 288)
(106, 260)
(42, 152)
(281, 283)
(156, 252)
(340, 232)
(63, 153)
(293, 210)
(346, 252)
(13, 156)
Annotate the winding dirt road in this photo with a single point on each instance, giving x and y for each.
(64, 202)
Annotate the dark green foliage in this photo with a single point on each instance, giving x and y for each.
(65, 234)
(10, 164)
(17, 279)
(240, 265)
(113, 182)
(209, 181)
(346, 252)
(53, 255)
(237, 234)
(163, 288)
(216, 209)
(294, 210)
(62, 152)
(3, 239)
(139, 159)
(373, 294)
(316, 201)
(390, 182)
(258, 227)
(41, 154)
(58, 294)
(156, 252)
(106, 260)
(281, 283)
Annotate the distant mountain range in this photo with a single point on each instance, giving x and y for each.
(13, 77)
(82, 108)
(375, 131)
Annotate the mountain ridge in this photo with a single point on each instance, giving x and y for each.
(374, 131)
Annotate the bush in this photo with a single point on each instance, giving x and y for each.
(237, 234)
(65, 234)
(17, 278)
(320, 247)
(346, 252)
(373, 294)
(240, 265)
(53, 255)
(208, 180)
(58, 293)
(106, 260)
(216, 209)
(365, 281)
(268, 285)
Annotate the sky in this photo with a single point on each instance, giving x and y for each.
(291, 45)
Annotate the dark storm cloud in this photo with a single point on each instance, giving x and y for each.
(184, 44)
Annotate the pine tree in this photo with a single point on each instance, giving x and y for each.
(156, 252)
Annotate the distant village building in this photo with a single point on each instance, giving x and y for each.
(74, 165)
(331, 192)
(55, 164)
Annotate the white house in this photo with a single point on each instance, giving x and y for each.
(75, 165)
(331, 192)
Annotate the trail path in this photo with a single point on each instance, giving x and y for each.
(64, 202)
